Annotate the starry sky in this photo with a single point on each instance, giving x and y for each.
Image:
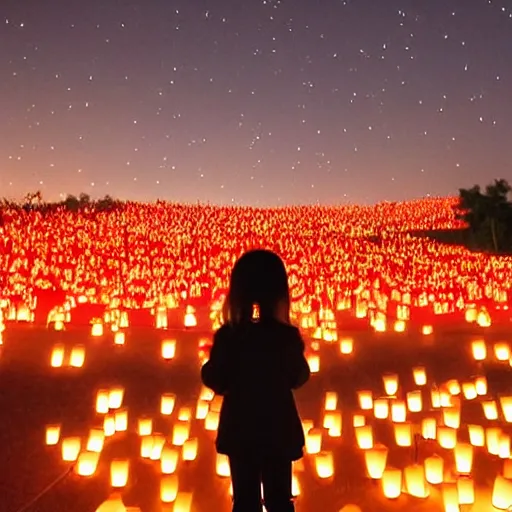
(258, 102)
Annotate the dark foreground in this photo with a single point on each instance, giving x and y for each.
(34, 395)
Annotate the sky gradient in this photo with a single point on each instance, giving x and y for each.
(255, 102)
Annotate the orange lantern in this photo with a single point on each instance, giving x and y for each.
(476, 435)
(375, 460)
(466, 491)
(71, 448)
(314, 363)
(183, 502)
(115, 397)
(121, 420)
(168, 488)
(502, 493)
(365, 398)
(324, 464)
(415, 482)
(95, 441)
(102, 401)
(168, 460)
(87, 463)
(346, 346)
(57, 357)
(364, 437)
(330, 401)
(180, 433)
(381, 408)
(429, 428)
(167, 403)
(398, 411)
(447, 437)
(77, 357)
(434, 469)
(119, 338)
(463, 458)
(420, 376)
(390, 384)
(52, 435)
(332, 422)
(502, 351)
(403, 434)
(119, 469)
(490, 410)
(314, 441)
(479, 350)
(168, 349)
(201, 409)
(145, 426)
(392, 483)
(414, 401)
(222, 465)
(190, 449)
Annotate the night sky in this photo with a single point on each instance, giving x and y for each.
(254, 102)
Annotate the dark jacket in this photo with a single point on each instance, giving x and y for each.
(255, 366)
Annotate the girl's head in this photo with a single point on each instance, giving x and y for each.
(258, 278)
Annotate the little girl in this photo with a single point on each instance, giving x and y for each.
(256, 360)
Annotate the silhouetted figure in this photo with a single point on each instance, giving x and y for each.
(256, 360)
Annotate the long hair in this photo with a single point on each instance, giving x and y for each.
(258, 280)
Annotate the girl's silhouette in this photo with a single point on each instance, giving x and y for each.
(256, 360)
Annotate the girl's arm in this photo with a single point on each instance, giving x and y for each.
(298, 365)
(215, 372)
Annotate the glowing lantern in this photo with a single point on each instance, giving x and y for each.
(434, 469)
(201, 409)
(392, 483)
(71, 448)
(332, 422)
(469, 390)
(190, 449)
(324, 465)
(506, 408)
(476, 435)
(161, 318)
(453, 387)
(451, 417)
(167, 403)
(184, 414)
(365, 400)
(490, 410)
(463, 458)
(97, 328)
(168, 488)
(429, 428)
(381, 408)
(507, 469)
(379, 324)
(168, 460)
(314, 441)
(331, 401)
(483, 319)
(77, 357)
(375, 460)
(183, 502)
(307, 425)
(314, 363)
(121, 420)
(211, 422)
(102, 401)
(158, 447)
(113, 504)
(504, 446)
(119, 469)
(420, 376)
(115, 398)
(57, 357)
(427, 330)
(398, 411)
(447, 437)
(358, 420)
(190, 318)
(390, 384)
(364, 437)
(492, 440)
(109, 425)
(451, 498)
(222, 465)
(146, 446)
(502, 351)
(58, 325)
(145, 426)
(95, 440)
(479, 350)
(502, 493)
(414, 401)
(119, 338)
(124, 322)
(87, 463)
(481, 385)
(52, 435)
(403, 434)
(346, 346)
(168, 349)
(415, 482)
(180, 433)
(466, 491)
(435, 398)
(471, 314)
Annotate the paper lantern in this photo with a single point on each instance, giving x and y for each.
(364, 437)
(97, 328)
(324, 464)
(469, 390)
(490, 410)
(375, 460)
(211, 422)
(167, 403)
(314, 441)
(190, 318)
(451, 417)
(507, 469)
(434, 469)
(295, 486)
(168, 349)
(415, 482)
(158, 446)
(392, 483)
(87, 463)
(450, 497)
(346, 346)
(314, 363)
(463, 458)
(201, 409)
(435, 398)
(124, 322)
(445, 398)
(184, 414)
(492, 440)
(420, 376)
(429, 428)
(502, 493)
(476, 435)
(115, 397)
(403, 434)
(57, 356)
(189, 452)
(145, 426)
(427, 330)
(169, 460)
(146, 446)
(358, 420)
(113, 504)
(414, 401)
(502, 351)
(365, 398)
(466, 491)
(506, 408)
(481, 385)
(216, 404)
(161, 318)
(180, 433)
(330, 401)
(119, 338)
(332, 422)
(447, 437)
(399, 326)
(479, 350)
(119, 469)
(222, 465)
(307, 425)
(504, 446)
(483, 318)
(168, 488)
(206, 394)
(96, 440)
(183, 502)
(390, 384)
(52, 435)
(379, 324)
(381, 408)
(109, 425)
(398, 411)
(453, 387)
(71, 448)
(77, 357)
(102, 400)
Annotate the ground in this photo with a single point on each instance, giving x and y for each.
(34, 395)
